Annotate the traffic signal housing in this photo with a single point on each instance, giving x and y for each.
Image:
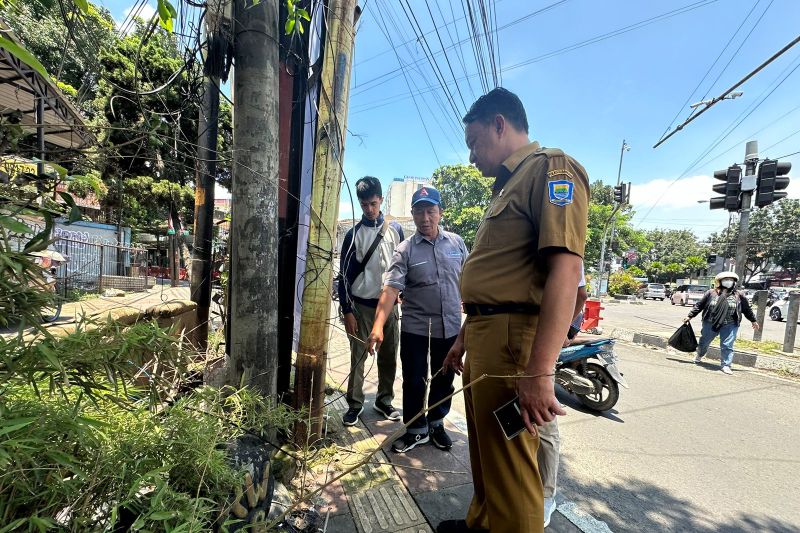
(770, 179)
(731, 188)
(621, 193)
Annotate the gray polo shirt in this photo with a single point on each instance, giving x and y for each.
(428, 274)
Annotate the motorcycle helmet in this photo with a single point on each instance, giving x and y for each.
(719, 278)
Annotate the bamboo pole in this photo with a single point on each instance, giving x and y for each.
(309, 384)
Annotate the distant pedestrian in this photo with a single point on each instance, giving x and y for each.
(366, 253)
(426, 267)
(722, 308)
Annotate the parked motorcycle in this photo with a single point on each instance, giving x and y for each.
(588, 369)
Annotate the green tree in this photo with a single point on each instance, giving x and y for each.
(465, 195)
(673, 270)
(141, 93)
(672, 246)
(694, 264)
(785, 249)
(626, 237)
(655, 269)
(635, 271)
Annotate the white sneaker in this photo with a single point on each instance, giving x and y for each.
(549, 509)
(698, 358)
(726, 370)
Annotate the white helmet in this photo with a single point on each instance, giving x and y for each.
(726, 275)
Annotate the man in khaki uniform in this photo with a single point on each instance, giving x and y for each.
(528, 247)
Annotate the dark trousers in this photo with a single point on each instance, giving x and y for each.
(414, 358)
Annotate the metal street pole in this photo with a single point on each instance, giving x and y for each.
(207, 129)
(748, 186)
(601, 267)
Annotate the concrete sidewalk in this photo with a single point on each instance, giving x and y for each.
(412, 491)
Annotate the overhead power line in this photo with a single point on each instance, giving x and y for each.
(710, 68)
(392, 74)
(758, 69)
(738, 49)
(387, 77)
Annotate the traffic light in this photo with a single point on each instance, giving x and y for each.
(731, 189)
(620, 193)
(770, 180)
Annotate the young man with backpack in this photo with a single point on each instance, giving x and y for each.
(365, 256)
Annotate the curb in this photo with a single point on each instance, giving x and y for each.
(746, 359)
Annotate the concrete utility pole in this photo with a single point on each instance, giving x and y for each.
(748, 186)
(761, 311)
(207, 128)
(253, 319)
(309, 384)
(791, 322)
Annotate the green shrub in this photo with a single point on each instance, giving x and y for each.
(622, 283)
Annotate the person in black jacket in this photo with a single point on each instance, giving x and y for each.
(722, 308)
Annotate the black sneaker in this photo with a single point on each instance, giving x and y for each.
(456, 526)
(350, 418)
(440, 438)
(389, 412)
(409, 441)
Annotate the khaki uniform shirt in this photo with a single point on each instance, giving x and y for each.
(540, 201)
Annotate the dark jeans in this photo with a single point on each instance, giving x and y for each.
(414, 358)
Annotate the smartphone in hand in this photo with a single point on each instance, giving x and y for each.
(509, 416)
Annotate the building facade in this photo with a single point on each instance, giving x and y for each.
(398, 200)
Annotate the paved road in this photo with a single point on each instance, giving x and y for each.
(688, 449)
(654, 316)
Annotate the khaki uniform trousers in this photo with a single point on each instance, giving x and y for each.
(508, 489)
(386, 357)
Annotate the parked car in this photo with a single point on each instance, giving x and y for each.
(780, 309)
(688, 294)
(655, 291)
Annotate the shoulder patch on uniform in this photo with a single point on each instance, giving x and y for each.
(560, 192)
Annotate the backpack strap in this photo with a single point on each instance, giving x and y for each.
(367, 256)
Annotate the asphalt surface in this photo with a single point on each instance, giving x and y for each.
(687, 448)
(653, 316)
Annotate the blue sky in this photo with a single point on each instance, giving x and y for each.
(586, 100)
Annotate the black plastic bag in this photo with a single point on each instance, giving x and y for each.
(684, 339)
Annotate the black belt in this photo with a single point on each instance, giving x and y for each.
(485, 309)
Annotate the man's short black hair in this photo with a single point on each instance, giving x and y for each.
(498, 101)
(367, 187)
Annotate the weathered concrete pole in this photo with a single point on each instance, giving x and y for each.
(253, 319)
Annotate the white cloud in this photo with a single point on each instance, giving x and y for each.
(145, 13)
(660, 203)
(684, 193)
(669, 193)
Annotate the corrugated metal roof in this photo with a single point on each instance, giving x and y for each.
(21, 86)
